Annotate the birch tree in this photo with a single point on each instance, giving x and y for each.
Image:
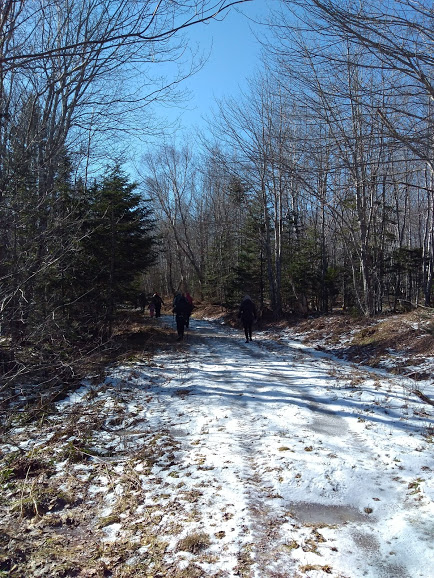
(397, 37)
(345, 88)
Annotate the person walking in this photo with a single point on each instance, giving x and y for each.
(151, 308)
(181, 310)
(142, 301)
(158, 302)
(247, 314)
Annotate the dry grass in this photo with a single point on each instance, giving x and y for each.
(194, 543)
(371, 341)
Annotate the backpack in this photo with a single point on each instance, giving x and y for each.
(181, 306)
(247, 311)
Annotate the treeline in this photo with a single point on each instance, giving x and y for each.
(77, 80)
(71, 256)
(316, 188)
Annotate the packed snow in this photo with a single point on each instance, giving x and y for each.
(262, 459)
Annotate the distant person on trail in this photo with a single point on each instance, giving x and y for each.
(247, 314)
(151, 308)
(158, 302)
(176, 297)
(181, 309)
(142, 302)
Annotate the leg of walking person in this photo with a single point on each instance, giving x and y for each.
(246, 332)
(180, 324)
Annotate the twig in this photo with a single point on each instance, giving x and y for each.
(423, 397)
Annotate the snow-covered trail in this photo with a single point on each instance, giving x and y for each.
(290, 463)
(217, 458)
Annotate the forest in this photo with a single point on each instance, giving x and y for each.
(313, 190)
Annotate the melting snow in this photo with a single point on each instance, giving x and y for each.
(289, 460)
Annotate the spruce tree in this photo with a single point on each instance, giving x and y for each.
(118, 246)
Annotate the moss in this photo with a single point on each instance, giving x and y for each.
(6, 474)
(108, 520)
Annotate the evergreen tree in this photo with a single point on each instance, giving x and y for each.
(31, 226)
(302, 285)
(250, 271)
(118, 247)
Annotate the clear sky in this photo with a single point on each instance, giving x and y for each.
(234, 54)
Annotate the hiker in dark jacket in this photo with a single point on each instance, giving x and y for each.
(142, 302)
(181, 309)
(247, 314)
(158, 302)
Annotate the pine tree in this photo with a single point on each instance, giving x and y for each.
(118, 246)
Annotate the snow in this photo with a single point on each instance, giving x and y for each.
(291, 461)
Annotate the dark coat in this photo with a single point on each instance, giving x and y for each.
(158, 302)
(247, 311)
(181, 307)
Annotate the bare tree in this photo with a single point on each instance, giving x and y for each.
(123, 23)
(360, 99)
(262, 135)
(171, 181)
(396, 41)
(397, 37)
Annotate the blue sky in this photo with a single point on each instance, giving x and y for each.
(234, 57)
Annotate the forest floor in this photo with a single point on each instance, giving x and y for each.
(307, 452)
